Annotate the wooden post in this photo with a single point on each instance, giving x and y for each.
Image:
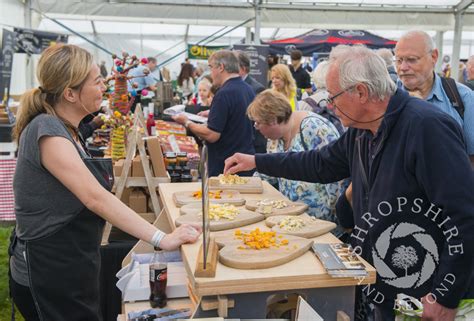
(211, 261)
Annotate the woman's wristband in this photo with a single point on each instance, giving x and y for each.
(157, 237)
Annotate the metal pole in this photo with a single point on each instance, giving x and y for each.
(248, 35)
(30, 69)
(256, 38)
(458, 20)
(439, 46)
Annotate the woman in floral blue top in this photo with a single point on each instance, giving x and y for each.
(296, 131)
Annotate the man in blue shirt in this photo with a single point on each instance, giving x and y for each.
(145, 80)
(228, 129)
(415, 59)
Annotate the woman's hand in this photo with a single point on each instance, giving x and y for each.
(239, 163)
(186, 233)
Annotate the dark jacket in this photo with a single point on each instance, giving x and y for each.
(256, 86)
(260, 142)
(412, 193)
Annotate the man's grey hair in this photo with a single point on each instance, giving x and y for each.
(319, 74)
(244, 60)
(429, 43)
(358, 64)
(386, 55)
(227, 58)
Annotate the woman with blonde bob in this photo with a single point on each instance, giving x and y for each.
(62, 195)
(283, 82)
(294, 132)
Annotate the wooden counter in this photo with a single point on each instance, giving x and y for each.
(305, 272)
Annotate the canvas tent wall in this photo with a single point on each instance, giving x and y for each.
(150, 27)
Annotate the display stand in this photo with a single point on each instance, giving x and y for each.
(135, 140)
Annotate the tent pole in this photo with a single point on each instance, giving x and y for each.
(30, 70)
(205, 42)
(458, 20)
(439, 46)
(258, 11)
(248, 35)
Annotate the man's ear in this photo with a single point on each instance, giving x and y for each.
(70, 95)
(434, 55)
(362, 92)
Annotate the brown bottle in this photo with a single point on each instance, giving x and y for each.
(158, 280)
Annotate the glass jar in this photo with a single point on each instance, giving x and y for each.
(170, 159)
(182, 158)
(186, 178)
(185, 170)
(175, 177)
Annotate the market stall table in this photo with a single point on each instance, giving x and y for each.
(250, 289)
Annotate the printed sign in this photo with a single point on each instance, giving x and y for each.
(258, 61)
(202, 52)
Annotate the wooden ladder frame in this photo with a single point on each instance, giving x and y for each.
(134, 141)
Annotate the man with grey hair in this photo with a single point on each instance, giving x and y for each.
(415, 60)
(228, 129)
(317, 102)
(470, 72)
(387, 56)
(412, 185)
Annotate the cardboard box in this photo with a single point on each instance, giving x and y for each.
(137, 167)
(156, 156)
(126, 195)
(137, 201)
(118, 168)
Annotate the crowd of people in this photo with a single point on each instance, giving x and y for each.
(375, 141)
(376, 128)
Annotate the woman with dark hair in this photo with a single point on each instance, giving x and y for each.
(186, 81)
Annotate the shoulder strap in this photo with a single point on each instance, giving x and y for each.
(449, 86)
(303, 142)
(310, 101)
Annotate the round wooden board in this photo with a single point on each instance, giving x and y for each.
(314, 227)
(193, 215)
(227, 196)
(231, 256)
(293, 208)
(253, 186)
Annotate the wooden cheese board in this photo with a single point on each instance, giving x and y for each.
(267, 207)
(253, 185)
(233, 256)
(313, 227)
(225, 196)
(191, 213)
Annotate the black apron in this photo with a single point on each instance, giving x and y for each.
(64, 267)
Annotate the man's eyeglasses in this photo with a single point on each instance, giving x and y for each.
(411, 61)
(330, 100)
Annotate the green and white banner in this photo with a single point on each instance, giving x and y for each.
(202, 52)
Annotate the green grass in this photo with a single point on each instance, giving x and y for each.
(5, 303)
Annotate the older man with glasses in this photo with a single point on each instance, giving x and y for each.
(228, 129)
(412, 186)
(415, 60)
